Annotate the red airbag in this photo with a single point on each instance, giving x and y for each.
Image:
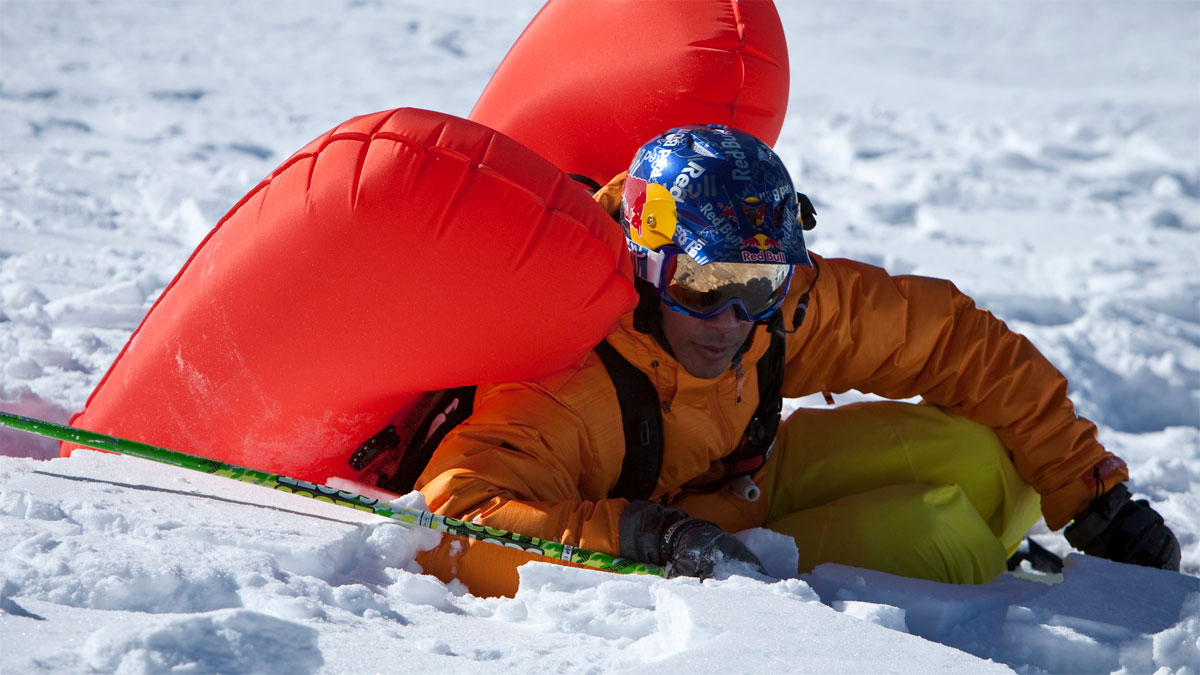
(402, 251)
(588, 83)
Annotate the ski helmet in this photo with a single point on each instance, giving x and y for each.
(712, 221)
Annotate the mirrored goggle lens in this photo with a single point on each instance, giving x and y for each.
(706, 290)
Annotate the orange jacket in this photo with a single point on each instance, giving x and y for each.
(540, 457)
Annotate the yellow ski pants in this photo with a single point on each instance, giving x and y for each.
(905, 489)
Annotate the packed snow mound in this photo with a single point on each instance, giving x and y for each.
(124, 565)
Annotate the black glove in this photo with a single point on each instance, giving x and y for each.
(1126, 531)
(686, 546)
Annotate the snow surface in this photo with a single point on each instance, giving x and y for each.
(1045, 156)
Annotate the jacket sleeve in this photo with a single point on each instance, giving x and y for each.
(905, 336)
(522, 462)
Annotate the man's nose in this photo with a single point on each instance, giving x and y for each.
(726, 321)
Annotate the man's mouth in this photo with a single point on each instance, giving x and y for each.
(713, 353)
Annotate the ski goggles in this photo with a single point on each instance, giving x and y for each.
(754, 290)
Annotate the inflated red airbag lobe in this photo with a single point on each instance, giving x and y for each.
(365, 270)
(588, 83)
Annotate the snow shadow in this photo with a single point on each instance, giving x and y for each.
(1101, 617)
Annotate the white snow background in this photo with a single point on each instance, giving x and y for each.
(1045, 156)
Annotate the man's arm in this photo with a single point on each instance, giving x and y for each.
(524, 461)
(527, 462)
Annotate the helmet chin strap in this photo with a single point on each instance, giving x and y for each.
(647, 316)
(774, 324)
(801, 306)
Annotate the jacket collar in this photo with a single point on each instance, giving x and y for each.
(674, 384)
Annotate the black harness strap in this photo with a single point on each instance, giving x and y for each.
(642, 419)
(417, 436)
(586, 181)
(759, 438)
(398, 454)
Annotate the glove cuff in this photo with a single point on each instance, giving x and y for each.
(1096, 518)
(676, 531)
(643, 528)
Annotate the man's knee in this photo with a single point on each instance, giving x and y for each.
(920, 531)
(953, 543)
(824, 455)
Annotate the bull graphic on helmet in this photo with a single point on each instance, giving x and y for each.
(755, 210)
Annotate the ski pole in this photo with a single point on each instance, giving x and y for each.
(404, 515)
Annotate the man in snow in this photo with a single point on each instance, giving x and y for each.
(735, 312)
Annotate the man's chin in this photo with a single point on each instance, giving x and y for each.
(699, 365)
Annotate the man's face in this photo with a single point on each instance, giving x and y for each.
(705, 347)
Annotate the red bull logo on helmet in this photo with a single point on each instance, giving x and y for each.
(648, 209)
(764, 256)
(755, 210)
(765, 249)
(689, 173)
(761, 242)
(733, 150)
(633, 199)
